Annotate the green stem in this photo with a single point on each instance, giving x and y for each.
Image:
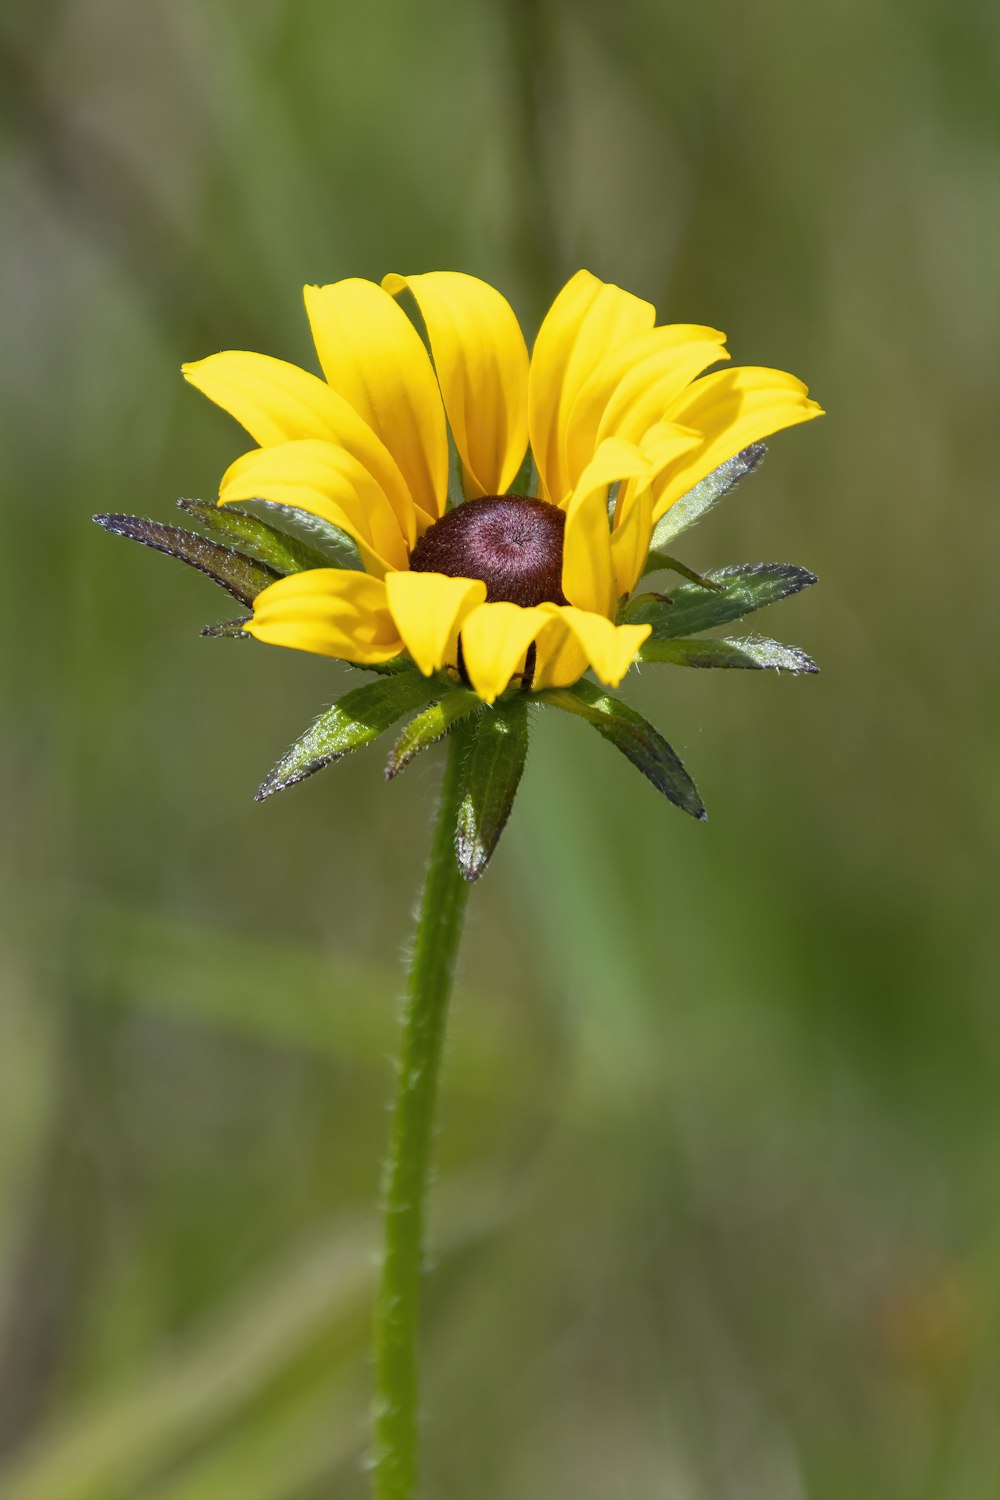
(432, 969)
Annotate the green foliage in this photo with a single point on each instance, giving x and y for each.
(742, 590)
(313, 538)
(352, 723)
(637, 740)
(429, 727)
(245, 533)
(700, 500)
(657, 561)
(757, 654)
(493, 767)
(229, 629)
(238, 575)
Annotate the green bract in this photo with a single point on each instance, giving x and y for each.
(495, 738)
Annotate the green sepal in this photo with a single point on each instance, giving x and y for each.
(635, 737)
(353, 722)
(699, 501)
(753, 654)
(229, 628)
(692, 608)
(656, 562)
(333, 547)
(238, 575)
(429, 727)
(499, 745)
(245, 533)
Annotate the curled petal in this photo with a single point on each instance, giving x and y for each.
(632, 526)
(326, 481)
(635, 384)
(732, 409)
(495, 642)
(482, 368)
(587, 321)
(631, 536)
(588, 574)
(609, 649)
(560, 659)
(330, 611)
(373, 357)
(279, 403)
(429, 610)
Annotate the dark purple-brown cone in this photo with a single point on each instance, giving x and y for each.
(515, 545)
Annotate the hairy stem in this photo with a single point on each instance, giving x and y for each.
(432, 969)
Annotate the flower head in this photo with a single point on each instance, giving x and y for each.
(497, 511)
(524, 587)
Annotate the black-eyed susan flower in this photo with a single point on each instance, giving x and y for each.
(506, 586)
(472, 525)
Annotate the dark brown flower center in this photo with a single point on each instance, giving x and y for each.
(515, 545)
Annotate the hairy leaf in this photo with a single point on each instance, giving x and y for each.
(254, 538)
(755, 654)
(742, 590)
(238, 575)
(229, 628)
(491, 776)
(336, 548)
(429, 727)
(635, 737)
(353, 722)
(657, 561)
(699, 501)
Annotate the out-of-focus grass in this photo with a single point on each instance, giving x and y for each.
(717, 1211)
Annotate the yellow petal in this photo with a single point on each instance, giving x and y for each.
(586, 322)
(632, 526)
(632, 387)
(588, 574)
(560, 659)
(495, 641)
(631, 536)
(645, 394)
(610, 649)
(326, 481)
(482, 367)
(331, 611)
(373, 356)
(278, 403)
(732, 408)
(429, 609)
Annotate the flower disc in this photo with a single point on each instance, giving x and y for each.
(514, 544)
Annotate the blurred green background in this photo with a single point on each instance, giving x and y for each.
(716, 1209)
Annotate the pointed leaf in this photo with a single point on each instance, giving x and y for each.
(492, 773)
(229, 628)
(657, 561)
(635, 737)
(699, 501)
(336, 548)
(255, 538)
(757, 654)
(239, 576)
(692, 608)
(429, 727)
(353, 722)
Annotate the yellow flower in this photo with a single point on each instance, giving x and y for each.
(503, 586)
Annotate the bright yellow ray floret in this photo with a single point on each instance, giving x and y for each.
(611, 405)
